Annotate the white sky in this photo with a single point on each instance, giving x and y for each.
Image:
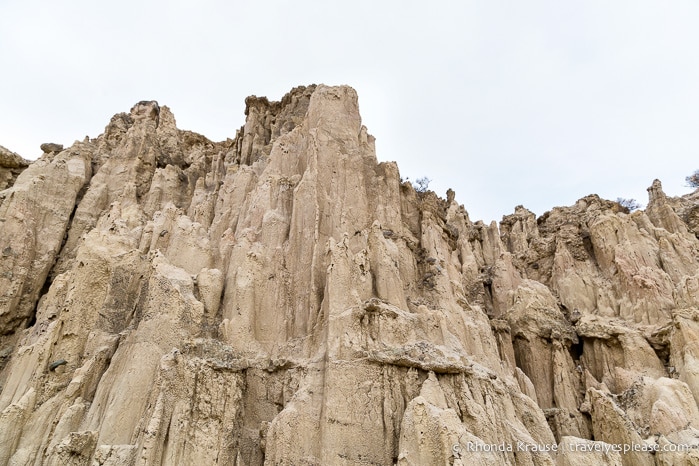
(536, 103)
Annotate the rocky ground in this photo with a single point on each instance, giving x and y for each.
(281, 298)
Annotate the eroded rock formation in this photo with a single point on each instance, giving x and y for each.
(11, 165)
(280, 298)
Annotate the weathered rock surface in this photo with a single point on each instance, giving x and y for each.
(280, 298)
(49, 147)
(11, 165)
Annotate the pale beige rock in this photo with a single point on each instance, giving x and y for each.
(9, 159)
(431, 433)
(664, 405)
(114, 455)
(680, 450)
(74, 450)
(282, 298)
(35, 213)
(612, 426)
(573, 451)
(11, 165)
(13, 419)
(620, 354)
(210, 286)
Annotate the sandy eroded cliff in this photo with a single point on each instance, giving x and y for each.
(283, 299)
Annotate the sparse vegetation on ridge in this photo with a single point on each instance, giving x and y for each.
(693, 179)
(630, 204)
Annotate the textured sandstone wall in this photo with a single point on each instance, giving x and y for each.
(11, 165)
(282, 299)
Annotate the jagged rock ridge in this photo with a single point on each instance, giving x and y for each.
(281, 298)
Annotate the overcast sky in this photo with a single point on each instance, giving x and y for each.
(507, 102)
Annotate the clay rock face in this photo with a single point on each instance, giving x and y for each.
(11, 165)
(280, 298)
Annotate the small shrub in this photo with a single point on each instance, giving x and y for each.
(630, 204)
(693, 179)
(421, 184)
